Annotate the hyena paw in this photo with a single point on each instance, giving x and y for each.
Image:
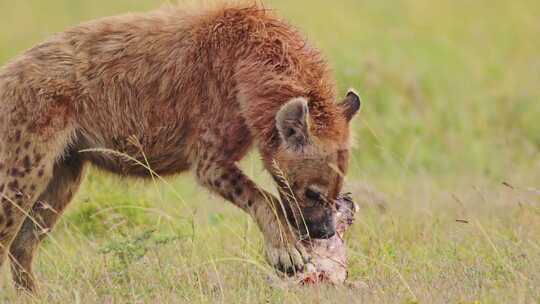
(288, 259)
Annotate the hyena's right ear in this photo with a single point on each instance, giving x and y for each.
(292, 122)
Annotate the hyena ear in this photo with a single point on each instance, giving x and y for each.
(292, 122)
(351, 104)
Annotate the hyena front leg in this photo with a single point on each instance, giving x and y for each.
(227, 180)
(67, 176)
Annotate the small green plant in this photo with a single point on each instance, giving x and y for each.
(126, 250)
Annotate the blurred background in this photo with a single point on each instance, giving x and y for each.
(447, 86)
(451, 109)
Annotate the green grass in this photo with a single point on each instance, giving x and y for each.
(451, 110)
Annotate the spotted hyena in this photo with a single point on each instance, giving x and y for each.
(183, 90)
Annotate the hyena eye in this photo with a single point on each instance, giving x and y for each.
(314, 195)
(291, 132)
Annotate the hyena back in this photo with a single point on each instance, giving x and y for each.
(180, 90)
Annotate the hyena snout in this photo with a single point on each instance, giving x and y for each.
(317, 224)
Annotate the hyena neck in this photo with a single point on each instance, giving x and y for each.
(270, 62)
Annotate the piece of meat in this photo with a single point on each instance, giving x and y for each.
(329, 256)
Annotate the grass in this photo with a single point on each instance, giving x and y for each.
(451, 110)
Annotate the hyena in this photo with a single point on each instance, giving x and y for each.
(180, 90)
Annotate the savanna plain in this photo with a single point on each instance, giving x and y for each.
(445, 168)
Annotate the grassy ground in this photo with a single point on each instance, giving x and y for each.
(451, 113)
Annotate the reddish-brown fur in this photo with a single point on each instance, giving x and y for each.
(189, 89)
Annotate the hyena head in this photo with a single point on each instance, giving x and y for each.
(311, 161)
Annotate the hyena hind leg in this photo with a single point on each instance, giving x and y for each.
(67, 176)
(26, 168)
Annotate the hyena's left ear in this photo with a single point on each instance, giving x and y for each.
(292, 122)
(351, 104)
